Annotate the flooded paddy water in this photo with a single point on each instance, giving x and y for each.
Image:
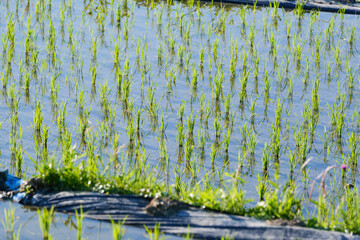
(202, 93)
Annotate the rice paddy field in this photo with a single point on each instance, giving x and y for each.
(248, 110)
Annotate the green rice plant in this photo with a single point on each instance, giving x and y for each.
(61, 116)
(337, 54)
(118, 229)
(105, 104)
(233, 57)
(180, 136)
(251, 143)
(50, 45)
(253, 111)
(62, 15)
(241, 159)
(354, 153)
(265, 160)
(10, 30)
(350, 211)
(215, 50)
(337, 116)
(307, 73)
(73, 43)
(313, 16)
(194, 81)
(326, 141)
(201, 56)
(93, 47)
(101, 16)
(267, 87)
(290, 89)
(288, 28)
(202, 140)
(314, 118)
(160, 51)
(5, 78)
(298, 52)
(93, 74)
(180, 112)
(139, 123)
(83, 124)
(29, 37)
(222, 20)
(209, 63)
(243, 82)
(16, 236)
(164, 156)
(227, 106)
(152, 103)
(162, 128)
(317, 48)
(187, 61)
(242, 14)
(315, 95)
(217, 127)
(188, 235)
(329, 28)
(252, 35)
(91, 150)
(275, 53)
(126, 91)
(79, 222)
(278, 113)
(188, 150)
(292, 163)
(226, 140)
(181, 51)
(45, 219)
(351, 34)
(217, 91)
(154, 234)
(9, 219)
(271, 40)
(325, 216)
(172, 42)
(44, 144)
(350, 76)
(116, 53)
(130, 130)
(261, 188)
(187, 36)
(191, 120)
(38, 118)
(213, 152)
(303, 145)
(299, 9)
(256, 69)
